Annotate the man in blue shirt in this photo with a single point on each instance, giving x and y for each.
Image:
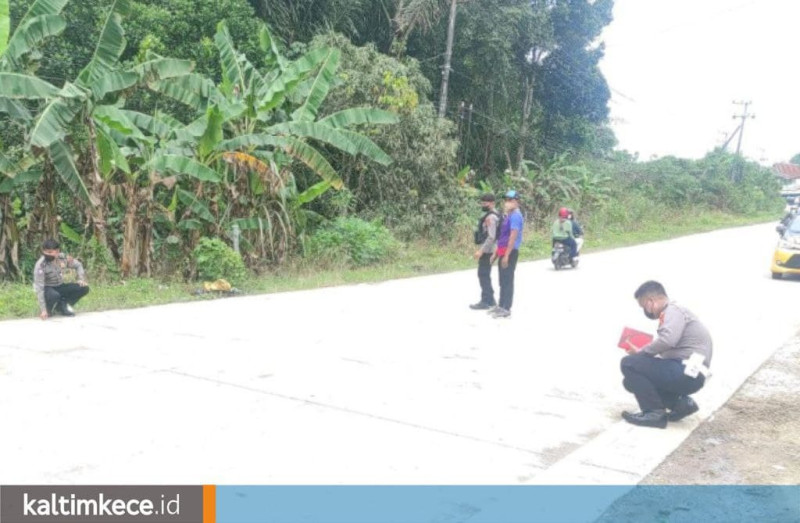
(508, 251)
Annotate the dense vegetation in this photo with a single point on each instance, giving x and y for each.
(144, 132)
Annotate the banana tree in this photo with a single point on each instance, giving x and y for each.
(132, 145)
(42, 20)
(253, 125)
(20, 89)
(90, 100)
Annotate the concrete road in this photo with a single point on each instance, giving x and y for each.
(390, 383)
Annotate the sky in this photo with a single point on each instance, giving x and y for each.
(676, 66)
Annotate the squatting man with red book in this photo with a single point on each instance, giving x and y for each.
(663, 374)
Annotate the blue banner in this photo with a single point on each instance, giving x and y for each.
(506, 504)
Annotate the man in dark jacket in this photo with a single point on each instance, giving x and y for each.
(486, 238)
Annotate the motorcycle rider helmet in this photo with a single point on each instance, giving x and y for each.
(563, 212)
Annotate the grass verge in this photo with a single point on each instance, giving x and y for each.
(17, 299)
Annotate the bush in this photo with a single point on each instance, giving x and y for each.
(214, 259)
(353, 241)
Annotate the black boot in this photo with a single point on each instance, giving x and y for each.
(651, 418)
(684, 407)
(64, 308)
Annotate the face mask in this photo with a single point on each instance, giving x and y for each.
(650, 315)
(485, 208)
(49, 257)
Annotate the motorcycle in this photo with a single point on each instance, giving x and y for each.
(560, 255)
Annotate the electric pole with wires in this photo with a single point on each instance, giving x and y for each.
(736, 172)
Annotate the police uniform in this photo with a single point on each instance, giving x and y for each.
(48, 283)
(664, 373)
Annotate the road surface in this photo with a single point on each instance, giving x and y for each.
(389, 383)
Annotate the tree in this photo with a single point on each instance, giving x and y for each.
(419, 191)
(293, 21)
(573, 93)
(101, 80)
(39, 23)
(185, 29)
(250, 126)
(519, 108)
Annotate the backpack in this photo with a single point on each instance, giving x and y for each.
(480, 234)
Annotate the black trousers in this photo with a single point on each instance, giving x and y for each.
(66, 292)
(485, 279)
(657, 383)
(507, 279)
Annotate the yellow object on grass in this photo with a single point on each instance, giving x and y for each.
(219, 285)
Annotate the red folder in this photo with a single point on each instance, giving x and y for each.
(636, 338)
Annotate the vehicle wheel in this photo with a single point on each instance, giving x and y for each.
(556, 266)
(574, 264)
(777, 276)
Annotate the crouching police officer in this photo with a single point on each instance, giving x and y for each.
(663, 374)
(52, 293)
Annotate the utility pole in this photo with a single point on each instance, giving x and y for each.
(736, 172)
(744, 116)
(451, 29)
(730, 137)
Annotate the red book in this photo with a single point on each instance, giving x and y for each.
(636, 338)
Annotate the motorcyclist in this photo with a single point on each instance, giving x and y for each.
(577, 230)
(563, 232)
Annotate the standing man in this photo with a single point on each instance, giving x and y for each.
(53, 294)
(508, 251)
(486, 237)
(663, 374)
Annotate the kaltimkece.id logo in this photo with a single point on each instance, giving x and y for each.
(89, 504)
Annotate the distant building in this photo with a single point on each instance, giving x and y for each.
(789, 174)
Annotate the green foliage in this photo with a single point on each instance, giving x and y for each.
(98, 260)
(398, 94)
(419, 192)
(353, 242)
(583, 93)
(61, 59)
(186, 29)
(718, 181)
(5, 25)
(560, 181)
(214, 259)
